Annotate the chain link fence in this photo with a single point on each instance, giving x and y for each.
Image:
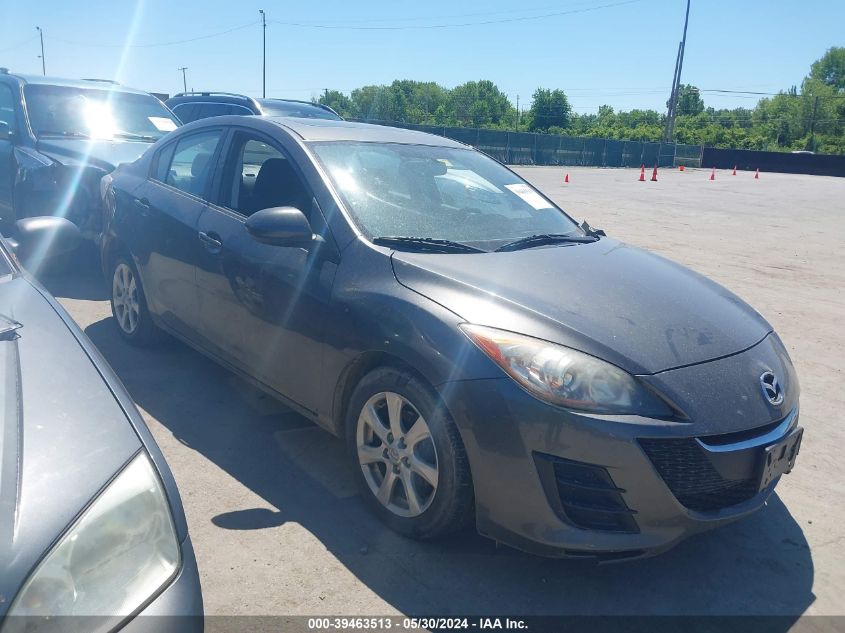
(527, 148)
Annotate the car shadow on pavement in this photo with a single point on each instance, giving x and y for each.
(759, 566)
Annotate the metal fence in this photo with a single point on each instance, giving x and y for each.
(527, 148)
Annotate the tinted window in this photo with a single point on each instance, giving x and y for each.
(185, 111)
(206, 110)
(192, 166)
(272, 107)
(260, 177)
(7, 107)
(101, 114)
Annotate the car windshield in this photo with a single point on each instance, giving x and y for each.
(272, 107)
(98, 114)
(443, 193)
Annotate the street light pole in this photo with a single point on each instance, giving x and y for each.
(264, 54)
(676, 83)
(43, 62)
(184, 79)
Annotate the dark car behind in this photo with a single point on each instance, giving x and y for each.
(192, 106)
(59, 137)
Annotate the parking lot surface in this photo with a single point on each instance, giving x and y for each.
(275, 518)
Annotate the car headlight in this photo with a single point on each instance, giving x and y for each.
(564, 376)
(116, 555)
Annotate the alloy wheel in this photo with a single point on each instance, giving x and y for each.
(397, 454)
(127, 308)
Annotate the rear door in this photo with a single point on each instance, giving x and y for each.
(167, 207)
(264, 307)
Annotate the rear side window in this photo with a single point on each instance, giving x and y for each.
(7, 107)
(186, 112)
(206, 110)
(191, 166)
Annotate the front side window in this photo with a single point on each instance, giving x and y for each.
(99, 114)
(192, 166)
(259, 177)
(397, 190)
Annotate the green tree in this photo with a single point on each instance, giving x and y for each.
(549, 108)
(340, 103)
(480, 104)
(830, 69)
(689, 100)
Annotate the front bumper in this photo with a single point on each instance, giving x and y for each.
(524, 454)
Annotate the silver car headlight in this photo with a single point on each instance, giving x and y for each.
(115, 557)
(564, 376)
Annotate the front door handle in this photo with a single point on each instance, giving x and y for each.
(211, 241)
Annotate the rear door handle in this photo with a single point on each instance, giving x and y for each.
(143, 205)
(211, 241)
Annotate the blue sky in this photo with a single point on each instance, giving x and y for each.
(622, 55)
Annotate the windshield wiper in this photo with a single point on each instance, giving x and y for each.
(426, 244)
(546, 238)
(65, 133)
(135, 137)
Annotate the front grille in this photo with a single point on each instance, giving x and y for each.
(584, 495)
(687, 470)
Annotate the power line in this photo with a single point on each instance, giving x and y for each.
(347, 26)
(157, 44)
(19, 45)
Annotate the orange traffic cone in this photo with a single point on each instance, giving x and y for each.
(654, 174)
(642, 174)
(566, 179)
(681, 168)
(713, 174)
(734, 174)
(757, 174)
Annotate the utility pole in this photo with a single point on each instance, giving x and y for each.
(676, 83)
(326, 95)
(43, 62)
(264, 54)
(184, 79)
(517, 113)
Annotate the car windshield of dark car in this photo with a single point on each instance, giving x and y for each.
(294, 109)
(444, 193)
(97, 114)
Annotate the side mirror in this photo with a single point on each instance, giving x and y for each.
(5, 131)
(280, 226)
(39, 238)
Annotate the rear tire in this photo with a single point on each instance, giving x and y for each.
(129, 305)
(408, 455)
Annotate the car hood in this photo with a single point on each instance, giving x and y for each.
(105, 155)
(630, 307)
(62, 433)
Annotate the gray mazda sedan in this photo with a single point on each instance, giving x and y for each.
(486, 358)
(92, 532)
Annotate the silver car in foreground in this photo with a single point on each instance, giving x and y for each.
(92, 531)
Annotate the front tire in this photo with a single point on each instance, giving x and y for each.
(129, 305)
(408, 455)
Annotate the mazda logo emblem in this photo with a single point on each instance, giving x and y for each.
(771, 388)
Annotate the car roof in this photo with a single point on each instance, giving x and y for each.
(90, 84)
(331, 130)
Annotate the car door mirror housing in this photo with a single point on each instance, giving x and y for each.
(280, 226)
(38, 238)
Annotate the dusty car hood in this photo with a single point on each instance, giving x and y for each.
(621, 303)
(103, 154)
(61, 439)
